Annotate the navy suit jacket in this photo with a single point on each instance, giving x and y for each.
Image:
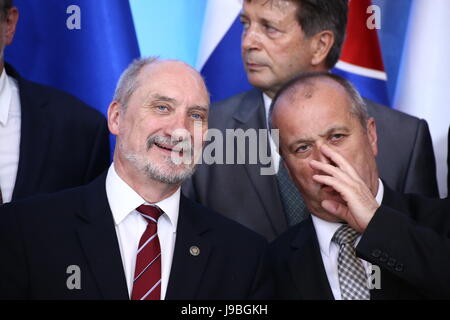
(408, 238)
(42, 236)
(405, 161)
(63, 144)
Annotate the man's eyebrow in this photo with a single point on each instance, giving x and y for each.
(160, 97)
(199, 108)
(327, 133)
(301, 140)
(334, 129)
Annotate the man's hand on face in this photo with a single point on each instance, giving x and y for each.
(360, 204)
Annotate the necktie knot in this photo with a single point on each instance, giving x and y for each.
(150, 213)
(345, 235)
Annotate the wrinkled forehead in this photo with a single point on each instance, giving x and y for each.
(317, 96)
(174, 75)
(274, 4)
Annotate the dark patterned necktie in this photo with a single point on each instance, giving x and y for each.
(147, 274)
(293, 204)
(352, 276)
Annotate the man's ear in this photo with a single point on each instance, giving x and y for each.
(372, 135)
(114, 111)
(11, 23)
(321, 46)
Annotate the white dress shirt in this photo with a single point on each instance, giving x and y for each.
(10, 122)
(330, 250)
(130, 226)
(273, 147)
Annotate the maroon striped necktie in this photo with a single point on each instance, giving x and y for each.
(147, 274)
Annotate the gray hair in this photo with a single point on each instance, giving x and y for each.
(5, 5)
(358, 107)
(128, 82)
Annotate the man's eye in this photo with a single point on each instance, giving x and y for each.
(270, 29)
(302, 149)
(162, 108)
(197, 116)
(337, 137)
(244, 23)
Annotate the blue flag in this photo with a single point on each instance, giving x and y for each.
(220, 53)
(79, 46)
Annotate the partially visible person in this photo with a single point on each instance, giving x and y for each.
(49, 140)
(130, 234)
(363, 240)
(282, 39)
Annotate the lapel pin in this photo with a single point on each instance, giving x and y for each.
(194, 250)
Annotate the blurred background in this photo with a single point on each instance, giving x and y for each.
(82, 46)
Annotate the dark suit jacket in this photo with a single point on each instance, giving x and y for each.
(405, 160)
(42, 236)
(64, 143)
(409, 240)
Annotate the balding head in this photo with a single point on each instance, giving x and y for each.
(305, 86)
(141, 69)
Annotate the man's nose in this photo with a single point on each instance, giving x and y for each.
(319, 156)
(176, 128)
(250, 39)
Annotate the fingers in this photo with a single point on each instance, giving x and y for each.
(359, 204)
(334, 182)
(340, 161)
(335, 208)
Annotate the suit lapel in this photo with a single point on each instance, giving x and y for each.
(34, 137)
(306, 265)
(251, 115)
(99, 242)
(187, 267)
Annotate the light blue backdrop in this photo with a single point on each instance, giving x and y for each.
(170, 29)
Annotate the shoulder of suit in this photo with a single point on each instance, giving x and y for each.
(233, 103)
(57, 101)
(63, 102)
(379, 111)
(226, 226)
(410, 203)
(44, 207)
(284, 240)
(221, 115)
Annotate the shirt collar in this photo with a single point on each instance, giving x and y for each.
(123, 200)
(5, 97)
(267, 102)
(326, 229)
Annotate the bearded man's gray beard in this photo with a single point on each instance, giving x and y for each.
(153, 171)
(158, 173)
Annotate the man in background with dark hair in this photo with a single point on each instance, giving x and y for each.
(49, 140)
(281, 40)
